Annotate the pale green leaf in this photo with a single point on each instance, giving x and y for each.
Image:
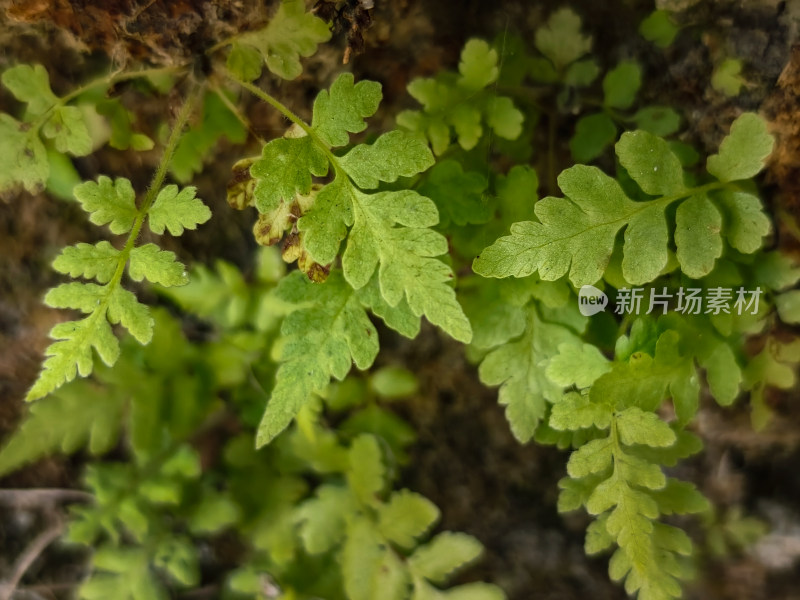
(30, 84)
(24, 156)
(68, 130)
(593, 134)
(85, 297)
(494, 319)
(597, 537)
(322, 340)
(593, 457)
(342, 109)
(322, 519)
(394, 154)
(112, 203)
(745, 221)
(658, 28)
(459, 195)
(788, 305)
(478, 66)
(405, 254)
(399, 317)
(325, 224)
(582, 73)
(437, 560)
(561, 40)
(680, 498)
(636, 426)
(394, 382)
(650, 162)
(727, 77)
(517, 368)
(366, 473)
(124, 308)
(658, 120)
(83, 417)
(576, 411)
(406, 517)
(723, 373)
(290, 34)
(244, 62)
(215, 512)
(285, 169)
(621, 84)
(743, 152)
(503, 117)
(697, 235)
(97, 261)
(369, 568)
(157, 266)
(576, 234)
(71, 354)
(177, 211)
(577, 364)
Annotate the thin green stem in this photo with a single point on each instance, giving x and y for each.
(105, 80)
(235, 111)
(281, 108)
(158, 180)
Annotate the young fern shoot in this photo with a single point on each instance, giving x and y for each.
(106, 302)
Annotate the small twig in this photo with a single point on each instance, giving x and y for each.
(31, 553)
(37, 496)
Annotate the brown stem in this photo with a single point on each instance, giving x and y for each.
(27, 558)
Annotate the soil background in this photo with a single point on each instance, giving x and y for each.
(465, 460)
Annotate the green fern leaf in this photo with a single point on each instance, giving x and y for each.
(68, 130)
(621, 84)
(561, 40)
(576, 234)
(342, 109)
(26, 158)
(406, 517)
(369, 568)
(124, 308)
(366, 474)
(459, 195)
(390, 230)
(290, 34)
(177, 211)
(743, 152)
(83, 417)
(577, 364)
(323, 340)
(30, 84)
(440, 558)
(394, 154)
(517, 368)
(627, 493)
(157, 266)
(460, 102)
(97, 261)
(322, 519)
(285, 169)
(72, 353)
(112, 203)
